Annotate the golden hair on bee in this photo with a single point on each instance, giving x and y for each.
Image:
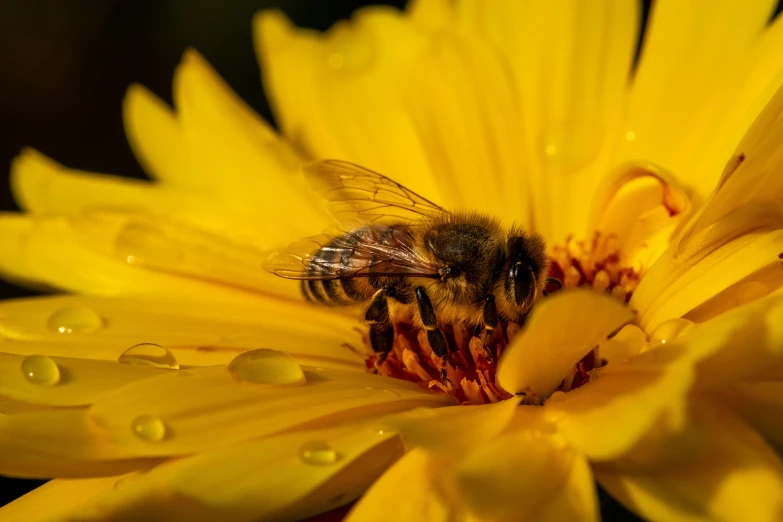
(404, 255)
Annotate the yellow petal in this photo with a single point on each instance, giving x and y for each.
(431, 14)
(81, 381)
(209, 408)
(462, 103)
(55, 497)
(749, 176)
(287, 477)
(42, 186)
(570, 64)
(190, 411)
(760, 404)
(197, 334)
(452, 430)
(683, 75)
(731, 475)
(542, 354)
(745, 343)
(54, 252)
(608, 415)
(162, 245)
(241, 160)
(636, 209)
(157, 140)
(337, 95)
(405, 492)
(527, 475)
(743, 243)
(44, 444)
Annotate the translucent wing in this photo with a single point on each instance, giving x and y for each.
(354, 192)
(352, 251)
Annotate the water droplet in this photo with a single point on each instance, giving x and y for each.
(750, 291)
(144, 244)
(630, 136)
(149, 428)
(75, 319)
(670, 330)
(348, 49)
(570, 145)
(265, 366)
(382, 391)
(148, 354)
(40, 370)
(318, 453)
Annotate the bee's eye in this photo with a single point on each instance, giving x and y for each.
(522, 277)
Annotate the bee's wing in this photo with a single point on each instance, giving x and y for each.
(354, 192)
(352, 250)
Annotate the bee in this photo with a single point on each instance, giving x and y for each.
(399, 253)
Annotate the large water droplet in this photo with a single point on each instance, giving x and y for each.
(670, 330)
(265, 366)
(146, 245)
(149, 428)
(318, 453)
(148, 354)
(75, 319)
(349, 50)
(40, 370)
(570, 145)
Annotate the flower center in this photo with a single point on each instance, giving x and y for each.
(470, 372)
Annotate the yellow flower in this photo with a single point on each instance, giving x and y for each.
(141, 395)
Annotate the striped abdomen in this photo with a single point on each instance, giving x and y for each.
(337, 291)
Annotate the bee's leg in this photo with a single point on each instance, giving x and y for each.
(553, 280)
(490, 321)
(381, 329)
(434, 335)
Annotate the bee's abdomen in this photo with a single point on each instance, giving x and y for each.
(333, 292)
(336, 291)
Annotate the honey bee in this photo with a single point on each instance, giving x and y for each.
(403, 254)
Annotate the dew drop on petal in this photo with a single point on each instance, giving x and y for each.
(383, 391)
(145, 245)
(75, 319)
(670, 330)
(318, 453)
(149, 354)
(149, 428)
(40, 370)
(265, 366)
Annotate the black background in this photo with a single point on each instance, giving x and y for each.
(65, 66)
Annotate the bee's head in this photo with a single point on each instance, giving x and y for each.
(525, 270)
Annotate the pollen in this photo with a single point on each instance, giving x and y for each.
(470, 372)
(591, 263)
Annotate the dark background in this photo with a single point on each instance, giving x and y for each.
(65, 66)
